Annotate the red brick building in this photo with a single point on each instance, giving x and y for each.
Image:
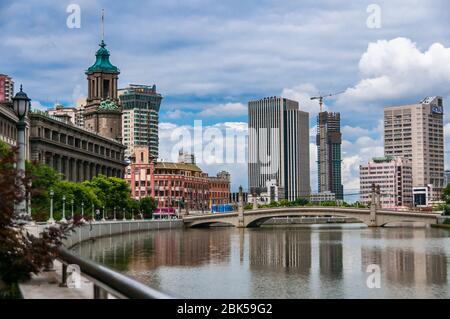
(175, 184)
(219, 188)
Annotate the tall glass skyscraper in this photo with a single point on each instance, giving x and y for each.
(140, 118)
(278, 148)
(328, 141)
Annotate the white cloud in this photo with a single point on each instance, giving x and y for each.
(355, 154)
(303, 93)
(221, 146)
(398, 68)
(36, 105)
(177, 114)
(212, 111)
(224, 110)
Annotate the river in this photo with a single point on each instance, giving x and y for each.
(225, 262)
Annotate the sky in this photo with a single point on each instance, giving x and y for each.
(209, 58)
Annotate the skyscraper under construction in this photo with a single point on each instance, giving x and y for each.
(329, 140)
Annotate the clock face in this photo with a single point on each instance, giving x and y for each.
(437, 109)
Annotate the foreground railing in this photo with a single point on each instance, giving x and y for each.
(107, 281)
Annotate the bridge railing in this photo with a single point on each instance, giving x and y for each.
(107, 281)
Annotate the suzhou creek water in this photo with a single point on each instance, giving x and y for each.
(223, 262)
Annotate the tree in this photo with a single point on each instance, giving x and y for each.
(110, 191)
(147, 206)
(446, 194)
(21, 253)
(43, 178)
(446, 211)
(300, 202)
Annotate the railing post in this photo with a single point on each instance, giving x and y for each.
(100, 293)
(64, 276)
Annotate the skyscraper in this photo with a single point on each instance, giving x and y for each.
(416, 132)
(140, 105)
(278, 148)
(102, 113)
(329, 140)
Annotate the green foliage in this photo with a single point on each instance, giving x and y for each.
(446, 211)
(446, 194)
(101, 191)
(147, 205)
(300, 202)
(21, 253)
(328, 203)
(11, 291)
(304, 202)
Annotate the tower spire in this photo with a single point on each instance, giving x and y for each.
(103, 25)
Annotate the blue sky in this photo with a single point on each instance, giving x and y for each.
(208, 58)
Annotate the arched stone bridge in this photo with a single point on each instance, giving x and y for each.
(254, 218)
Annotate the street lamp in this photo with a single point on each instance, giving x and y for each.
(93, 212)
(115, 213)
(132, 214)
(71, 202)
(21, 104)
(82, 211)
(103, 219)
(124, 212)
(64, 209)
(51, 220)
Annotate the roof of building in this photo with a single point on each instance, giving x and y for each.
(180, 166)
(383, 159)
(102, 63)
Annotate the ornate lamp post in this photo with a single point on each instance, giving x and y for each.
(115, 213)
(103, 219)
(82, 210)
(124, 212)
(21, 104)
(64, 209)
(51, 220)
(71, 202)
(132, 214)
(93, 212)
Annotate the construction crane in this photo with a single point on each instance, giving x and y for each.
(321, 97)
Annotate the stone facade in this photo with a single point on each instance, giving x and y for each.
(8, 129)
(77, 153)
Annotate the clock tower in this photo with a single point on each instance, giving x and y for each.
(103, 113)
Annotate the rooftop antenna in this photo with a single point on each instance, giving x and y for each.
(103, 24)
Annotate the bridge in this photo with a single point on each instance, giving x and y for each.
(255, 218)
(374, 216)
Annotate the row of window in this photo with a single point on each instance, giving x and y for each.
(78, 143)
(8, 130)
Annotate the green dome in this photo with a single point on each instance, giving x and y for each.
(102, 63)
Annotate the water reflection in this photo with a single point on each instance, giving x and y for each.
(274, 249)
(281, 263)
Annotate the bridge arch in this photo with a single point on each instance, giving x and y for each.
(259, 220)
(208, 223)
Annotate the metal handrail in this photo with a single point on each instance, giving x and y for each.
(107, 279)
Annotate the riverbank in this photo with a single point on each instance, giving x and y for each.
(46, 284)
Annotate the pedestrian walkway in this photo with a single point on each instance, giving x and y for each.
(46, 285)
